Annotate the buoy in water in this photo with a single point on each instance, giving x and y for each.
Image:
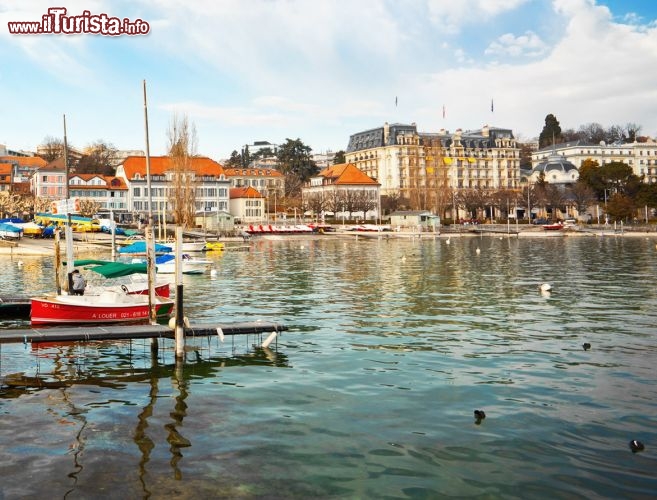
(636, 446)
(213, 272)
(545, 287)
(478, 251)
(448, 242)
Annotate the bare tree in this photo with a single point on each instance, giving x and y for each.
(505, 200)
(88, 207)
(592, 133)
(51, 149)
(332, 201)
(471, 200)
(633, 131)
(390, 202)
(182, 148)
(314, 202)
(582, 196)
(365, 201)
(100, 158)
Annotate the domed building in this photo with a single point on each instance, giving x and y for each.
(556, 170)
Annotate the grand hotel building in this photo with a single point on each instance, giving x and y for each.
(410, 163)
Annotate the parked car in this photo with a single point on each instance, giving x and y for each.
(540, 221)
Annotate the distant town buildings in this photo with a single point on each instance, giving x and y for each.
(641, 156)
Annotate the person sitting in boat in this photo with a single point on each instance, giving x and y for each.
(79, 283)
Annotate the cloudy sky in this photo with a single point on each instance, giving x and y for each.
(321, 70)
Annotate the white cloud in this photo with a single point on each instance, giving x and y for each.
(529, 45)
(454, 15)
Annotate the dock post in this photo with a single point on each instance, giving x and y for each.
(180, 315)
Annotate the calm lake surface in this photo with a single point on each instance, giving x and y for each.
(392, 345)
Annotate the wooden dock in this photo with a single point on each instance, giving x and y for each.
(126, 332)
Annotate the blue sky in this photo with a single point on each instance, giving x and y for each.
(247, 70)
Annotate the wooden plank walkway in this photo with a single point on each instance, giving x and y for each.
(126, 332)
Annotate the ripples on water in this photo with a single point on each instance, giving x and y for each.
(392, 345)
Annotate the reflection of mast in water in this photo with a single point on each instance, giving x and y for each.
(145, 443)
(175, 439)
(60, 371)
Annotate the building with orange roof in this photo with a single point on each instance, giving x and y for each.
(268, 181)
(344, 191)
(247, 205)
(110, 192)
(212, 184)
(49, 182)
(21, 169)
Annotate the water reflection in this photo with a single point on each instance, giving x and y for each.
(395, 343)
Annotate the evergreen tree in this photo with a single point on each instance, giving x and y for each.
(551, 132)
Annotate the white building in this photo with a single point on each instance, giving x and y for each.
(641, 156)
(211, 184)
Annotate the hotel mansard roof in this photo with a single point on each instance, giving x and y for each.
(159, 165)
(346, 174)
(244, 192)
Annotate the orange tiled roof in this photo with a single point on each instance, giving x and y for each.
(252, 172)
(347, 173)
(244, 192)
(111, 182)
(25, 161)
(201, 165)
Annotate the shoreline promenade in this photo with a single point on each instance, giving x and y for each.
(102, 243)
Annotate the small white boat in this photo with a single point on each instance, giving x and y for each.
(166, 264)
(187, 246)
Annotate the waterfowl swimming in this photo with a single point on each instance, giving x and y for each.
(586, 346)
(545, 287)
(479, 414)
(636, 446)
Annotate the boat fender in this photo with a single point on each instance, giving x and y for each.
(172, 322)
(220, 333)
(269, 340)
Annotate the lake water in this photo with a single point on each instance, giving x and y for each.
(392, 345)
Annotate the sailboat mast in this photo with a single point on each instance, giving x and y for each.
(68, 231)
(150, 235)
